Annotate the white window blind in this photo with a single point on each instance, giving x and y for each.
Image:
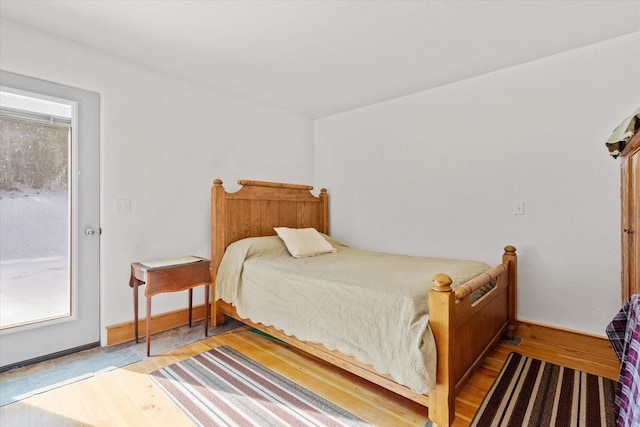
(17, 105)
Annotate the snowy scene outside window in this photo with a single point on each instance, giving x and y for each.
(35, 141)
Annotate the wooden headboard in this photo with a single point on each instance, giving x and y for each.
(259, 206)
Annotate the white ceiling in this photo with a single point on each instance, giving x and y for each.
(319, 58)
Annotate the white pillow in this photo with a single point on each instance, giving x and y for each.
(304, 242)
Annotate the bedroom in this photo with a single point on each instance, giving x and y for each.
(532, 131)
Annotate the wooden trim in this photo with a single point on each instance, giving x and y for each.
(632, 145)
(583, 346)
(577, 340)
(630, 225)
(249, 182)
(124, 332)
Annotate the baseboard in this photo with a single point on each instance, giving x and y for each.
(124, 332)
(581, 342)
(581, 345)
(49, 356)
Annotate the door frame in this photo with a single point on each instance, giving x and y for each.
(629, 166)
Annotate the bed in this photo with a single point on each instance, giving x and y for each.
(462, 328)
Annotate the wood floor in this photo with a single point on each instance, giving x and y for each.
(127, 397)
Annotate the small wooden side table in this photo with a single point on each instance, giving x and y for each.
(170, 275)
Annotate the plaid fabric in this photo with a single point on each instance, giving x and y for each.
(624, 334)
(617, 330)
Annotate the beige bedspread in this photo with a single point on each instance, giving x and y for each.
(369, 305)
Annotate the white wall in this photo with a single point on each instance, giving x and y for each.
(431, 173)
(437, 172)
(163, 141)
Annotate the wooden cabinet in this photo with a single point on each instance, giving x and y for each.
(630, 175)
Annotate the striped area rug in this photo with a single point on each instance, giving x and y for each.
(222, 387)
(530, 392)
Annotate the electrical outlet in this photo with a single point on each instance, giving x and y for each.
(518, 207)
(123, 206)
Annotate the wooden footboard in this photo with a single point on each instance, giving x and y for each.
(463, 331)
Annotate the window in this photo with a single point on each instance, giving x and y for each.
(35, 208)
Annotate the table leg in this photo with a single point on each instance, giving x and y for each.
(148, 326)
(135, 308)
(190, 305)
(206, 310)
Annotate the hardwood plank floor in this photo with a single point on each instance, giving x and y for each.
(127, 397)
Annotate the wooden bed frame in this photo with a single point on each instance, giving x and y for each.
(463, 332)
